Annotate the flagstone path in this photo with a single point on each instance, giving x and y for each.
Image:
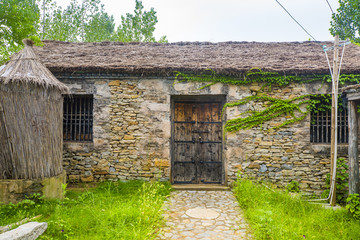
(205, 215)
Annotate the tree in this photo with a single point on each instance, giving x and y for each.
(86, 21)
(80, 21)
(18, 20)
(346, 21)
(138, 27)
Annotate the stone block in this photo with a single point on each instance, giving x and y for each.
(87, 179)
(288, 172)
(162, 162)
(255, 88)
(101, 172)
(28, 231)
(120, 167)
(129, 137)
(73, 178)
(287, 166)
(239, 167)
(263, 168)
(266, 143)
(254, 165)
(115, 83)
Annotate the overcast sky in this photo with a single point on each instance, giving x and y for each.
(232, 20)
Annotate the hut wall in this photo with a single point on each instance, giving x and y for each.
(32, 120)
(132, 134)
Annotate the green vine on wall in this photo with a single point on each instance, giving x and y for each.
(276, 107)
(256, 75)
(273, 107)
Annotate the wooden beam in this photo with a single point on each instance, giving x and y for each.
(353, 148)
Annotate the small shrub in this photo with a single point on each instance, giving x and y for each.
(293, 186)
(353, 205)
(342, 178)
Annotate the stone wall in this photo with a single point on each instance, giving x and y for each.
(132, 132)
(16, 190)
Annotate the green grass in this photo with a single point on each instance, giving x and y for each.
(131, 210)
(277, 215)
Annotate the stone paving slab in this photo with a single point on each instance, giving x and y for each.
(205, 215)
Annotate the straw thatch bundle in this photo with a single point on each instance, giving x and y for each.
(31, 108)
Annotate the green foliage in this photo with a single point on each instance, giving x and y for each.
(87, 21)
(275, 215)
(18, 20)
(254, 75)
(274, 107)
(293, 186)
(342, 178)
(294, 110)
(353, 205)
(346, 21)
(131, 210)
(80, 21)
(31, 202)
(138, 27)
(83, 21)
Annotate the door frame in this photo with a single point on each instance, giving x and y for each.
(197, 99)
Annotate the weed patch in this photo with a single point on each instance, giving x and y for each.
(131, 210)
(276, 215)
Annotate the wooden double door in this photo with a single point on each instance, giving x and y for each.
(197, 142)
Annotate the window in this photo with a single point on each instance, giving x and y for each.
(78, 118)
(320, 125)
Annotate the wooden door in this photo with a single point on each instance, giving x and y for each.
(197, 142)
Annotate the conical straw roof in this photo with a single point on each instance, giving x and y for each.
(25, 67)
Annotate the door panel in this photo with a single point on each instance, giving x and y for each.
(197, 142)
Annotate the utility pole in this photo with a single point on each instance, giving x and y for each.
(334, 114)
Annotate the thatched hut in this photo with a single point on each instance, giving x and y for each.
(31, 108)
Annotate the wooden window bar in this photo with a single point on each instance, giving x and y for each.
(78, 118)
(320, 127)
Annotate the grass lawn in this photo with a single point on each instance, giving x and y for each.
(131, 210)
(277, 215)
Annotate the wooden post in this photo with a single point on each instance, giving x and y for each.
(353, 148)
(334, 120)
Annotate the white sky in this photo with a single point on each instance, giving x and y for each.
(232, 20)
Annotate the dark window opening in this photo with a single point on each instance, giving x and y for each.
(78, 118)
(320, 124)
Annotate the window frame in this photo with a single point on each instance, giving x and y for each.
(78, 117)
(320, 124)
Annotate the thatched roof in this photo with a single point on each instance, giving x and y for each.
(25, 67)
(163, 58)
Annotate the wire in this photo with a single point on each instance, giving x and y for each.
(330, 6)
(295, 20)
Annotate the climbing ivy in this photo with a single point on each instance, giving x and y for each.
(275, 107)
(256, 75)
(295, 109)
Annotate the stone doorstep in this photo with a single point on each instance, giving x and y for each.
(201, 187)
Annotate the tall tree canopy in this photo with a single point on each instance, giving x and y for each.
(18, 20)
(80, 21)
(346, 21)
(138, 27)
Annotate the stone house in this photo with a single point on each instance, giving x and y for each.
(126, 119)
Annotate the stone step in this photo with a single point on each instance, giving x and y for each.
(201, 187)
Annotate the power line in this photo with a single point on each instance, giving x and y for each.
(295, 20)
(330, 6)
